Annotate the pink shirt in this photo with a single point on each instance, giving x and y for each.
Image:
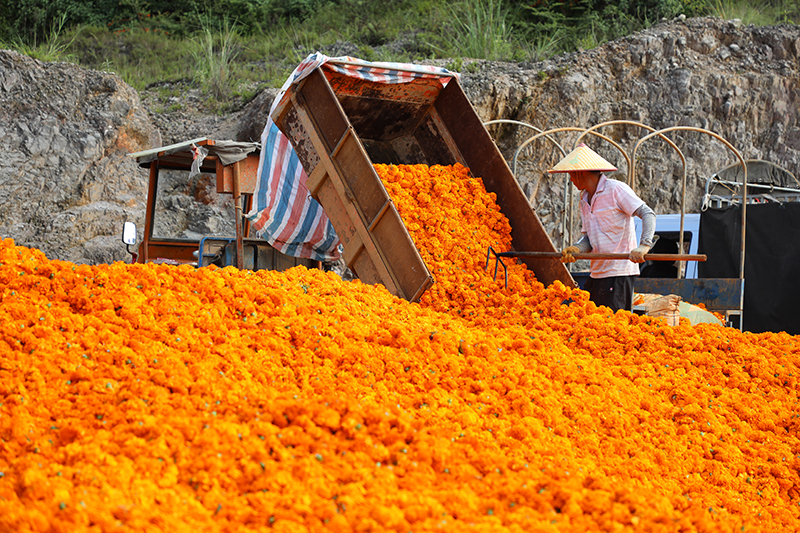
(608, 222)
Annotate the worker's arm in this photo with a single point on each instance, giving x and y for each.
(648, 230)
(581, 247)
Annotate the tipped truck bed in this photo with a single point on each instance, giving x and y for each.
(340, 125)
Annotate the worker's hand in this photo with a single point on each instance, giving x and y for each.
(566, 254)
(637, 254)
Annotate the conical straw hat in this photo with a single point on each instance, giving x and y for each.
(582, 158)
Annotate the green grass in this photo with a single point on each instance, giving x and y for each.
(214, 51)
(229, 64)
(53, 48)
(759, 13)
(481, 29)
(139, 56)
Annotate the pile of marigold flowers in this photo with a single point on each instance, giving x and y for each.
(159, 398)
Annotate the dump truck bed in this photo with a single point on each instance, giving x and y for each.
(341, 125)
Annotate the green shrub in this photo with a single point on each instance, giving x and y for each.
(257, 43)
(477, 29)
(213, 51)
(760, 13)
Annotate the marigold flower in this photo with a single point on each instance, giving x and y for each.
(159, 398)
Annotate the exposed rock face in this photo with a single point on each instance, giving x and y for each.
(741, 83)
(66, 185)
(183, 117)
(255, 116)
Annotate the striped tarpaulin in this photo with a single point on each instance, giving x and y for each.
(283, 211)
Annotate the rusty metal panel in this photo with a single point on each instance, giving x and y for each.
(281, 262)
(483, 158)
(389, 232)
(366, 270)
(257, 254)
(358, 255)
(381, 152)
(328, 121)
(717, 294)
(377, 246)
(335, 204)
(337, 123)
(383, 111)
(294, 128)
(435, 143)
(420, 92)
(360, 252)
(182, 252)
(360, 178)
(247, 178)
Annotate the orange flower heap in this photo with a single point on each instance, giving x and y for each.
(159, 398)
(453, 220)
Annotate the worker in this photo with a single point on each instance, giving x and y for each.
(607, 210)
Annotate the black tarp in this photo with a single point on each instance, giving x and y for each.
(772, 261)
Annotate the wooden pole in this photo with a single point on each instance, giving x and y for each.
(648, 257)
(237, 202)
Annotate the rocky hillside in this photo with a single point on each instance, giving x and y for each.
(66, 187)
(742, 83)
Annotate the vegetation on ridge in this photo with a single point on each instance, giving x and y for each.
(234, 48)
